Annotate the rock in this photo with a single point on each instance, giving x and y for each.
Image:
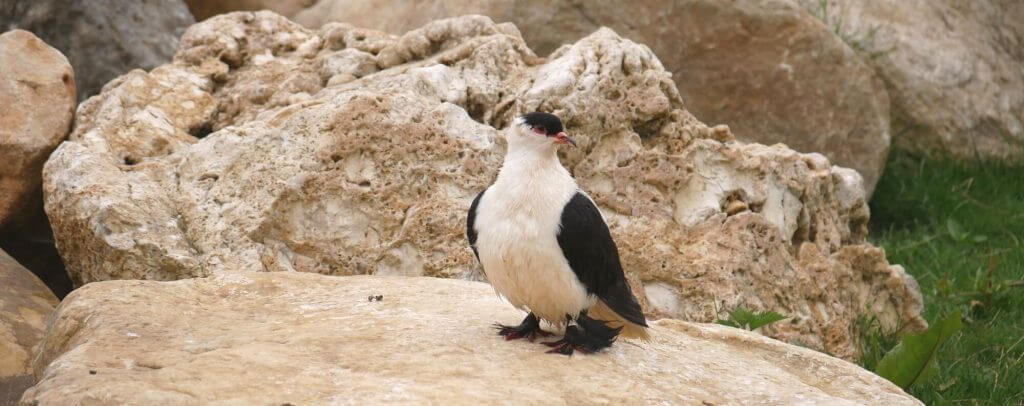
(237, 157)
(37, 90)
(293, 338)
(103, 39)
(954, 69)
(203, 9)
(766, 68)
(25, 303)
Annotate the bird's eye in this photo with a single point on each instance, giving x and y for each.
(540, 130)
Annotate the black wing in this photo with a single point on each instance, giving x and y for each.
(588, 246)
(471, 221)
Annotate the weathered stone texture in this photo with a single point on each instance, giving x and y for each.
(350, 151)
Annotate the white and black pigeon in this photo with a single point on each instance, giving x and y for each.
(545, 247)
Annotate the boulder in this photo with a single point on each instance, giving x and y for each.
(769, 70)
(267, 146)
(203, 9)
(954, 69)
(25, 303)
(103, 39)
(37, 92)
(294, 338)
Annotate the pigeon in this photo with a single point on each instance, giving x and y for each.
(545, 247)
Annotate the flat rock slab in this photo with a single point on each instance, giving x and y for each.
(300, 338)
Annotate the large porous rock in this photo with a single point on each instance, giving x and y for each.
(769, 70)
(103, 39)
(25, 303)
(266, 146)
(203, 9)
(954, 69)
(37, 92)
(293, 338)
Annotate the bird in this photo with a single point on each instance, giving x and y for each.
(545, 247)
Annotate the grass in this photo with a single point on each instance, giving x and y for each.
(958, 228)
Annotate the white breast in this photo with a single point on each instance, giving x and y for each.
(517, 225)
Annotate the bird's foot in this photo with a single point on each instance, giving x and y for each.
(589, 336)
(528, 329)
(565, 348)
(513, 333)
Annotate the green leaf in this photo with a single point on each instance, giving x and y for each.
(913, 360)
(760, 319)
(729, 323)
(956, 230)
(980, 238)
(741, 316)
(746, 319)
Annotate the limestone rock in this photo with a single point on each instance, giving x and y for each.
(203, 9)
(25, 303)
(237, 156)
(37, 92)
(102, 39)
(766, 68)
(294, 338)
(954, 69)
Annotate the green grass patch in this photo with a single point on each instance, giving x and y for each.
(958, 228)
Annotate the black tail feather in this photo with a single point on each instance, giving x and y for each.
(620, 299)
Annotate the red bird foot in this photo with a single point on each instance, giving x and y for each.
(528, 329)
(513, 333)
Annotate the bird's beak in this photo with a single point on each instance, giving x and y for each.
(561, 138)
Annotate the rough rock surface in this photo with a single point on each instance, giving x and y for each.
(293, 338)
(102, 39)
(37, 92)
(373, 173)
(769, 70)
(954, 69)
(25, 303)
(203, 9)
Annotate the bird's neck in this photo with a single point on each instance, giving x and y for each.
(531, 168)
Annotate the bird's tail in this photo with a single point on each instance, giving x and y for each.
(601, 311)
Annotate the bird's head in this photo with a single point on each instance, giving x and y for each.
(538, 130)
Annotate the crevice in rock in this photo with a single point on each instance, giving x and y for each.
(201, 130)
(650, 128)
(734, 203)
(806, 230)
(209, 176)
(232, 63)
(476, 111)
